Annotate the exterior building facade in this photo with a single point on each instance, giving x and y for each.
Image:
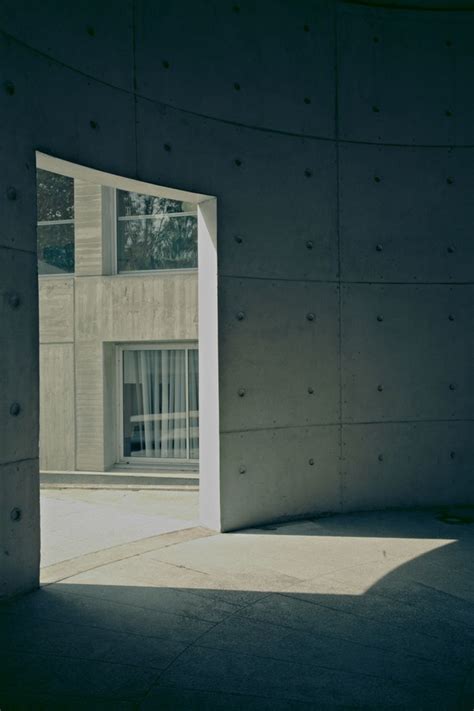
(118, 328)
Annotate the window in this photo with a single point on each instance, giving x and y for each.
(160, 406)
(155, 233)
(55, 209)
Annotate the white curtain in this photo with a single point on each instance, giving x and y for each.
(157, 412)
(193, 381)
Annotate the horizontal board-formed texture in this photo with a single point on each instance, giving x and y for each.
(88, 228)
(89, 406)
(56, 309)
(57, 430)
(137, 308)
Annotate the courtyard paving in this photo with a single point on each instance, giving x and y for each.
(79, 521)
(366, 611)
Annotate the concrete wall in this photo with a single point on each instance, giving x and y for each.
(324, 129)
(57, 407)
(117, 309)
(19, 486)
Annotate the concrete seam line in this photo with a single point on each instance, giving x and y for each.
(99, 559)
(228, 122)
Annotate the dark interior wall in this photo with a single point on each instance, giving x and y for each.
(338, 141)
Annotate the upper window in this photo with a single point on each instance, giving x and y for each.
(155, 233)
(55, 210)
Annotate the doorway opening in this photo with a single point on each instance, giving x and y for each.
(120, 290)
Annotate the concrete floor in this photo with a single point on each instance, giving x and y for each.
(79, 521)
(369, 611)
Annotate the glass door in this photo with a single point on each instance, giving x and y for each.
(159, 403)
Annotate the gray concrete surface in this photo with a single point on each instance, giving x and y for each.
(75, 522)
(367, 611)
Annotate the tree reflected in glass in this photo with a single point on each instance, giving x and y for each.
(155, 233)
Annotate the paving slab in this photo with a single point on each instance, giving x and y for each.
(369, 611)
(75, 522)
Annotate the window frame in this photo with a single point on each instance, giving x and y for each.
(114, 235)
(47, 223)
(155, 462)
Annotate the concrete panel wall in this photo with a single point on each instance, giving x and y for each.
(290, 471)
(56, 308)
(57, 411)
(380, 219)
(254, 55)
(406, 214)
(89, 246)
(89, 369)
(20, 529)
(137, 308)
(111, 310)
(110, 395)
(341, 125)
(45, 106)
(295, 381)
(407, 258)
(19, 466)
(19, 356)
(402, 75)
(407, 464)
(407, 352)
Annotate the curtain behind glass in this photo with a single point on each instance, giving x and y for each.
(155, 403)
(193, 384)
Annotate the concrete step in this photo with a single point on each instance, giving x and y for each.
(121, 479)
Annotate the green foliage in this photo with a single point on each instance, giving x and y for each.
(168, 241)
(55, 201)
(54, 195)
(55, 248)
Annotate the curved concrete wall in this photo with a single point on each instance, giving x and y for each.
(338, 141)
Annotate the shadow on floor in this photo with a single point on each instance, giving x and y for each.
(381, 524)
(338, 640)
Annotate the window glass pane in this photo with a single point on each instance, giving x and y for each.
(154, 404)
(193, 383)
(55, 249)
(157, 243)
(55, 196)
(138, 204)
